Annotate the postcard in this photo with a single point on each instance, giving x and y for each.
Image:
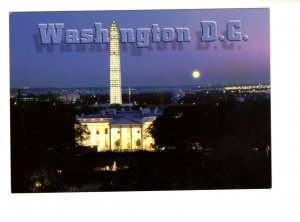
(140, 100)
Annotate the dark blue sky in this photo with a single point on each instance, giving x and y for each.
(74, 65)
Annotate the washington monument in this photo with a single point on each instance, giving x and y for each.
(115, 69)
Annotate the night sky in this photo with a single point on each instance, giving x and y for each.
(167, 64)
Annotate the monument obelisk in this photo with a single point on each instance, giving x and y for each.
(115, 68)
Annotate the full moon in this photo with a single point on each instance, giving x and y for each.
(196, 74)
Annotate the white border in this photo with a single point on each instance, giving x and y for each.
(281, 203)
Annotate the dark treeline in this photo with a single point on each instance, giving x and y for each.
(93, 99)
(88, 104)
(160, 98)
(212, 125)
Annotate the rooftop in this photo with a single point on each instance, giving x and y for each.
(121, 117)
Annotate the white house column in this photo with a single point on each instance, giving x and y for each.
(121, 139)
(110, 139)
(131, 139)
(142, 138)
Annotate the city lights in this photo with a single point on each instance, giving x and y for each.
(248, 87)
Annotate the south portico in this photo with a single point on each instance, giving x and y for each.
(126, 135)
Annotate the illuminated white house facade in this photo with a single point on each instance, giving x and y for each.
(115, 69)
(120, 130)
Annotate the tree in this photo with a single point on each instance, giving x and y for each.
(82, 134)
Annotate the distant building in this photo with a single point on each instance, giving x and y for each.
(240, 99)
(113, 130)
(178, 95)
(69, 97)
